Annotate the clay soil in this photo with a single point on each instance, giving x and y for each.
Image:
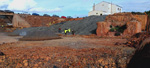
(68, 52)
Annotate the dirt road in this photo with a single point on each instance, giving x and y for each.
(7, 39)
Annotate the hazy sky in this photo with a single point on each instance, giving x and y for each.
(69, 7)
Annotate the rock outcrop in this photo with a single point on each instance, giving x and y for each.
(133, 27)
(102, 28)
(143, 20)
(126, 23)
(120, 19)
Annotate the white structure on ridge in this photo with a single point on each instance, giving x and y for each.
(105, 8)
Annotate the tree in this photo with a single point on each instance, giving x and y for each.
(36, 14)
(139, 13)
(69, 17)
(46, 15)
(55, 15)
(147, 12)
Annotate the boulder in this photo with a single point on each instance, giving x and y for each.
(102, 28)
(133, 27)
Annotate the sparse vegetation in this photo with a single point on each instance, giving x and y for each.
(147, 12)
(36, 14)
(55, 15)
(139, 13)
(46, 15)
(69, 17)
(118, 28)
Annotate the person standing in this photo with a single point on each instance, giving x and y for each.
(73, 32)
(2, 26)
(65, 31)
(69, 30)
(59, 30)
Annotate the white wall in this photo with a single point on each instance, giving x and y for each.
(97, 13)
(118, 9)
(105, 8)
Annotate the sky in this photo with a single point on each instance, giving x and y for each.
(74, 8)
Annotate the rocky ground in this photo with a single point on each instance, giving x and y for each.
(68, 52)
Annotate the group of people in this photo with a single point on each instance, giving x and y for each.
(67, 31)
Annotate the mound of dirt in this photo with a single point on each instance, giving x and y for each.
(137, 39)
(38, 21)
(141, 58)
(37, 35)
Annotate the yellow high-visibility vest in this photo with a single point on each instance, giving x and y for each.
(50, 23)
(66, 31)
(69, 30)
(2, 25)
(53, 22)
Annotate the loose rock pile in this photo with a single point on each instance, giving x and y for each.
(40, 35)
(85, 26)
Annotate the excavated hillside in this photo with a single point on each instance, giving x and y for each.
(121, 19)
(6, 21)
(38, 21)
(122, 24)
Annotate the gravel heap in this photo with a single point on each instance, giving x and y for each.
(37, 35)
(23, 32)
(85, 26)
